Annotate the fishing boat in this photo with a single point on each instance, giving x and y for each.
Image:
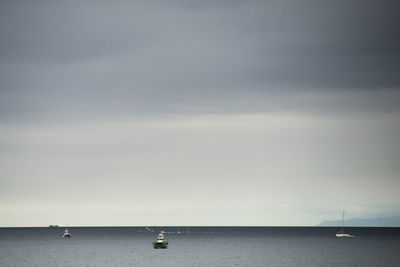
(160, 242)
(66, 234)
(341, 233)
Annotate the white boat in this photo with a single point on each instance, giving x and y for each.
(344, 235)
(66, 234)
(160, 242)
(341, 233)
(148, 229)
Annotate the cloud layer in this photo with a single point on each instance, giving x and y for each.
(240, 112)
(190, 56)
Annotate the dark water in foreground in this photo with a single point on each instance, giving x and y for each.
(202, 246)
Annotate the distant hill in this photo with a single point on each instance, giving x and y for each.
(373, 222)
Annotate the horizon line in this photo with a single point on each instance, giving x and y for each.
(169, 226)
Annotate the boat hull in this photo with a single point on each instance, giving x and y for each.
(157, 245)
(344, 235)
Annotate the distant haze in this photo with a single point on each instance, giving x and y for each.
(198, 112)
(366, 222)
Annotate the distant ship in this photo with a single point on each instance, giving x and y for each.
(66, 234)
(160, 242)
(341, 233)
(147, 230)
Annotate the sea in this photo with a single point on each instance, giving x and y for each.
(199, 246)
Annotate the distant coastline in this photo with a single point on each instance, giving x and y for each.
(365, 222)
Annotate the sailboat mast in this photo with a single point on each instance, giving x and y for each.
(343, 221)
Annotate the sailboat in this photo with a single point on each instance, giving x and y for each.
(66, 234)
(341, 233)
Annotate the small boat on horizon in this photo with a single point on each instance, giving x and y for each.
(341, 233)
(160, 242)
(66, 234)
(148, 230)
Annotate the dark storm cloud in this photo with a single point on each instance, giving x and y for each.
(206, 56)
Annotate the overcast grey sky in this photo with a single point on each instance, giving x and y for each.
(198, 112)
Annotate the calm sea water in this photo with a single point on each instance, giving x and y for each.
(202, 246)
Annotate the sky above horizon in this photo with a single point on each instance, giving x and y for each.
(198, 112)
